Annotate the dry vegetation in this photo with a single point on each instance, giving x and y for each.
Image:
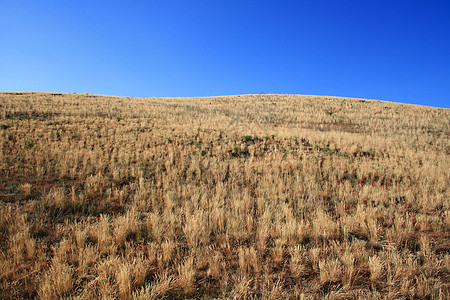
(258, 196)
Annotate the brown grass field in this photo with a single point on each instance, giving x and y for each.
(236, 197)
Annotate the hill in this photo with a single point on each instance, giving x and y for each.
(272, 196)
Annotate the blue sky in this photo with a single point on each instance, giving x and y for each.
(388, 50)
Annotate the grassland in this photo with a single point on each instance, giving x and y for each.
(255, 196)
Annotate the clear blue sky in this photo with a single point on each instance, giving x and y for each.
(388, 50)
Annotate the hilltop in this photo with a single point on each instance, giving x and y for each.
(249, 196)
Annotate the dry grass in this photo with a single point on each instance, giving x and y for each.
(257, 196)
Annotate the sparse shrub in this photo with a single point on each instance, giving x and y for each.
(376, 267)
(330, 112)
(368, 154)
(348, 258)
(186, 277)
(29, 144)
(25, 188)
(123, 278)
(330, 270)
(247, 138)
(58, 282)
(4, 126)
(298, 267)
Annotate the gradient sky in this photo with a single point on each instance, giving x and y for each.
(387, 50)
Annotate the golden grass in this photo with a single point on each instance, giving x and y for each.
(255, 196)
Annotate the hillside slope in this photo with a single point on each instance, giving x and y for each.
(273, 196)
